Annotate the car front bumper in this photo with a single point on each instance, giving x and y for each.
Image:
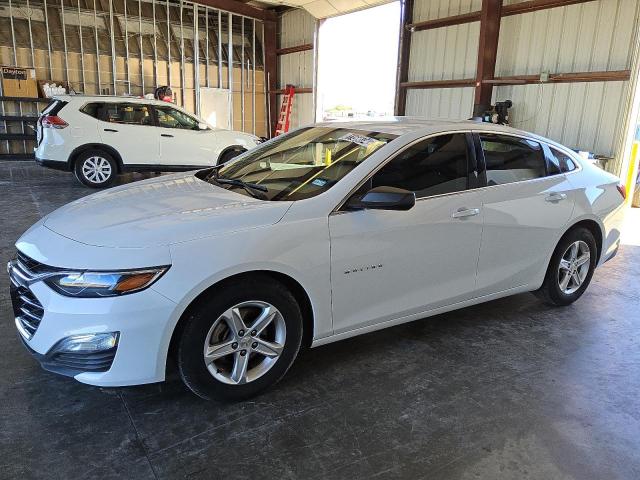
(141, 320)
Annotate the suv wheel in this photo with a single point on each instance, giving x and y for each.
(95, 169)
(241, 340)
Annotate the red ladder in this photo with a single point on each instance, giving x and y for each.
(285, 110)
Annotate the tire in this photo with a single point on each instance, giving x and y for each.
(209, 325)
(95, 169)
(552, 291)
(229, 155)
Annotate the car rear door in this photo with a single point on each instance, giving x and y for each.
(129, 128)
(182, 142)
(525, 207)
(389, 264)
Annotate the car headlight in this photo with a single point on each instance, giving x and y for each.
(89, 284)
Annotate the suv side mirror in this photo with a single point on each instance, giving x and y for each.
(383, 198)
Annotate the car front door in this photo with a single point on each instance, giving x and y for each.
(525, 206)
(182, 142)
(129, 128)
(389, 264)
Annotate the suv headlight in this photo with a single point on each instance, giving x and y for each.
(103, 284)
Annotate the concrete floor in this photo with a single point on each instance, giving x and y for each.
(511, 389)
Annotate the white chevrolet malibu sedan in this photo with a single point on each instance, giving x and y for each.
(330, 231)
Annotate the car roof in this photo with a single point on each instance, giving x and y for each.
(109, 98)
(405, 125)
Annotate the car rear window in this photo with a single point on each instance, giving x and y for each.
(91, 109)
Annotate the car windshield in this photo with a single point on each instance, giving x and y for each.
(304, 163)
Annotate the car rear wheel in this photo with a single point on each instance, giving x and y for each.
(241, 340)
(571, 268)
(95, 169)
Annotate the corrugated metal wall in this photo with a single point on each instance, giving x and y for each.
(443, 54)
(297, 27)
(593, 36)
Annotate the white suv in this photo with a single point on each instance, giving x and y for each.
(98, 137)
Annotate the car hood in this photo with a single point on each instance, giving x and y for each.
(161, 211)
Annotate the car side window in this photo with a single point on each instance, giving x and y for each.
(171, 118)
(434, 166)
(512, 159)
(124, 113)
(559, 162)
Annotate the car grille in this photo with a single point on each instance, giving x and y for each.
(27, 309)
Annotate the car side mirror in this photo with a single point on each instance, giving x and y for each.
(383, 198)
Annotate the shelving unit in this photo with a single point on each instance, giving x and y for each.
(17, 134)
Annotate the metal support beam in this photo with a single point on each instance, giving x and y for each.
(141, 45)
(230, 69)
(46, 23)
(404, 50)
(464, 82)
(182, 75)
(507, 10)
(196, 58)
(296, 49)
(113, 47)
(271, 72)
(242, 73)
(95, 32)
(84, 83)
(535, 5)
(219, 49)
(253, 73)
(64, 40)
(444, 22)
(33, 56)
(487, 53)
(238, 8)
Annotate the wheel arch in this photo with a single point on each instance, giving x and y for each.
(98, 146)
(231, 148)
(596, 230)
(296, 289)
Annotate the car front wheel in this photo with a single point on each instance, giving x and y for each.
(241, 340)
(95, 169)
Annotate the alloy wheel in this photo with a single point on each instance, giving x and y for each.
(96, 169)
(244, 342)
(574, 267)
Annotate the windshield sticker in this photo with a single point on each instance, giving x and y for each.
(359, 139)
(319, 182)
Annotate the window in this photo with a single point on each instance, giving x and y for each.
(125, 113)
(560, 162)
(303, 163)
(91, 109)
(432, 167)
(171, 118)
(512, 159)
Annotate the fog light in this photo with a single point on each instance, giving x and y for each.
(91, 342)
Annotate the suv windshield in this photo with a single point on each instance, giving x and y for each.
(302, 164)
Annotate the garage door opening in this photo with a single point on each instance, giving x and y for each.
(357, 63)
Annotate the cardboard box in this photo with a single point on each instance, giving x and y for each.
(19, 82)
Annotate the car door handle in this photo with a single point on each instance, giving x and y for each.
(465, 212)
(110, 130)
(555, 197)
(166, 135)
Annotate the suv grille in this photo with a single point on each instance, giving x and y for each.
(27, 309)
